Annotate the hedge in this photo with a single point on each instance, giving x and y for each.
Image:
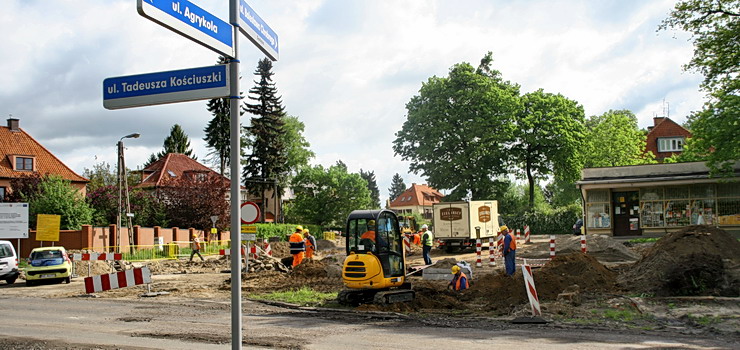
(557, 221)
(283, 231)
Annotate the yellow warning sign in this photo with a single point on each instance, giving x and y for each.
(47, 227)
(249, 229)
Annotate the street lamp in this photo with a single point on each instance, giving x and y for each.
(123, 186)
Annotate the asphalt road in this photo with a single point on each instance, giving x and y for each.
(87, 323)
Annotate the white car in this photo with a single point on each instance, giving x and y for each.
(8, 262)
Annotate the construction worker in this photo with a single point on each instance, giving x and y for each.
(310, 242)
(417, 238)
(459, 280)
(195, 247)
(427, 242)
(297, 245)
(370, 238)
(509, 253)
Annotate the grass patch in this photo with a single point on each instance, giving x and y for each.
(705, 320)
(643, 240)
(304, 297)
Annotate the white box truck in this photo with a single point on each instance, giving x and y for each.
(455, 223)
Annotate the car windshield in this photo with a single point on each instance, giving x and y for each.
(46, 254)
(5, 251)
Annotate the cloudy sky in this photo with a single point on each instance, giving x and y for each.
(346, 68)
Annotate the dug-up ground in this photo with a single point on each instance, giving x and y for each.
(687, 282)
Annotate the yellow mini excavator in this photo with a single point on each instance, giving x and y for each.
(375, 267)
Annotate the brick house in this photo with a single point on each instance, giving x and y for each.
(21, 154)
(665, 138)
(416, 199)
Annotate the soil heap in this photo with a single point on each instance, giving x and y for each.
(319, 275)
(603, 248)
(698, 260)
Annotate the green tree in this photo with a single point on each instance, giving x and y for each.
(57, 196)
(325, 197)
(397, 187)
(297, 147)
(218, 130)
(458, 127)
(100, 175)
(614, 139)
(549, 134)
(715, 32)
(372, 186)
(268, 160)
(176, 142)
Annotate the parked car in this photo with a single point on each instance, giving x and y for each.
(48, 263)
(8, 262)
(577, 227)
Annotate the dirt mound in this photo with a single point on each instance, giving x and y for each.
(164, 267)
(603, 248)
(96, 268)
(698, 260)
(310, 268)
(445, 263)
(280, 249)
(320, 275)
(324, 244)
(503, 293)
(435, 295)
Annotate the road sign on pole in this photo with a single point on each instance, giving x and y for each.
(202, 83)
(190, 21)
(256, 30)
(250, 213)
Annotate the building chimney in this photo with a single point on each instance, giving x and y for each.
(13, 124)
(657, 120)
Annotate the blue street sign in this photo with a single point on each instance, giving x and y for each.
(190, 21)
(256, 30)
(191, 84)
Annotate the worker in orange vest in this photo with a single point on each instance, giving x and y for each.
(459, 279)
(297, 245)
(509, 253)
(310, 242)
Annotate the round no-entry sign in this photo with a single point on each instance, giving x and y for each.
(250, 213)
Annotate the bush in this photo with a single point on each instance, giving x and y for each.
(285, 230)
(556, 221)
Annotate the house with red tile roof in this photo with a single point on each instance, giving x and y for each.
(665, 138)
(416, 199)
(177, 166)
(21, 154)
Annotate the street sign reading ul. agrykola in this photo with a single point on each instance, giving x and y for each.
(256, 30)
(166, 87)
(191, 21)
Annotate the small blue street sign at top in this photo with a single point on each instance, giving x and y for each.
(166, 87)
(256, 30)
(191, 21)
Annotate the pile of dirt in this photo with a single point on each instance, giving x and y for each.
(435, 295)
(445, 263)
(96, 267)
(324, 244)
(603, 248)
(280, 249)
(698, 260)
(320, 275)
(165, 267)
(265, 262)
(310, 269)
(502, 293)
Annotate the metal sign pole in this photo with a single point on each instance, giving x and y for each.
(236, 277)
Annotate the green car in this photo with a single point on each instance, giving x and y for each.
(48, 263)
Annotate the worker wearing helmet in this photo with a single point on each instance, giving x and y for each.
(459, 279)
(297, 245)
(195, 247)
(370, 233)
(310, 242)
(427, 242)
(509, 253)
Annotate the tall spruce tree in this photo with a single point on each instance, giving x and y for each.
(268, 161)
(218, 139)
(397, 187)
(372, 186)
(177, 142)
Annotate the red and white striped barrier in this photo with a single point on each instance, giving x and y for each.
(552, 246)
(97, 256)
(583, 244)
(500, 245)
(491, 252)
(407, 243)
(526, 234)
(268, 249)
(253, 251)
(122, 279)
(518, 235)
(228, 251)
(534, 301)
(478, 262)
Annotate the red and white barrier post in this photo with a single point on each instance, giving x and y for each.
(406, 243)
(500, 244)
(526, 235)
(491, 252)
(253, 251)
(583, 244)
(478, 262)
(552, 246)
(122, 279)
(518, 235)
(96, 256)
(268, 249)
(534, 301)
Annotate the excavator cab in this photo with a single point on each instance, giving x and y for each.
(374, 269)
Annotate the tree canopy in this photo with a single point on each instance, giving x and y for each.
(397, 187)
(372, 186)
(177, 142)
(458, 128)
(614, 139)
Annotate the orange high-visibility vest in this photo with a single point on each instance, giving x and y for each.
(459, 278)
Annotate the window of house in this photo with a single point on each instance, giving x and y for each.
(23, 163)
(728, 203)
(598, 209)
(172, 174)
(670, 144)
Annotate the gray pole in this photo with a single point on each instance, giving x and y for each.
(120, 198)
(236, 277)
